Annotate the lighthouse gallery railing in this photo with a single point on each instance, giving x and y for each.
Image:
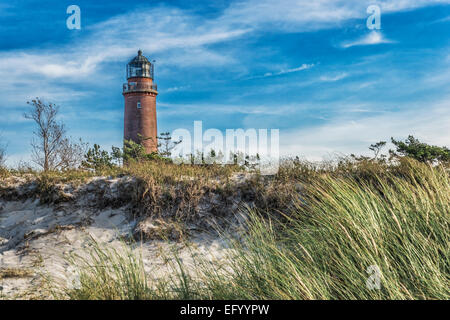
(139, 87)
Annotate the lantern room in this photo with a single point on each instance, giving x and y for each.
(140, 67)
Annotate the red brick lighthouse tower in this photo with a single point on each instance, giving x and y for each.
(140, 103)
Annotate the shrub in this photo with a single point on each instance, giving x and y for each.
(97, 159)
(420, 151)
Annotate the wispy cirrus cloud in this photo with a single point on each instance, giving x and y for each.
(180, 37)
(304, 66)
(445, 19)
(174, 29)
(171, 28)
(285, 71)
(348, 135)
(372, 38)
(177, 88)
(401, 5)
(305, 16)
(333, 78)
(170, 109)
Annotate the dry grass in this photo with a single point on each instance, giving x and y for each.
(312, 233)
(15, 273)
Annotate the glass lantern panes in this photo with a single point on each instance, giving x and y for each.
(140, 67)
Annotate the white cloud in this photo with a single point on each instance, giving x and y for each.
(401, 5)
(372, 38)
(184, 37)
(334, 78)
(349, 136)
(445, 19)
(153, 30)
(307, 15)
(168, 109)
(178, 88)
(282, 71)
(302, 67)
(179, 37)
(165, 28)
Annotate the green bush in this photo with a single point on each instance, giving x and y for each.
(97, 159)
(420, 151)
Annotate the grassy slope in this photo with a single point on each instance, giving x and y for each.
(313, 232)
(343, 224)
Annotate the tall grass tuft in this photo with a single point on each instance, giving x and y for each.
(117, 273)
(107, 273)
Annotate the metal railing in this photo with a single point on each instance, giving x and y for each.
(139, 87)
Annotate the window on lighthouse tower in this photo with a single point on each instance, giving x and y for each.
(139, 105)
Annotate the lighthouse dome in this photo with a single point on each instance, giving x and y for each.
(140, 67)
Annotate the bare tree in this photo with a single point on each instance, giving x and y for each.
(71, 154)
(52, 150)
(49, 133)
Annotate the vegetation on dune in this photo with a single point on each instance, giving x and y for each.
(312, 232)
(342, 225)
(337, 227)
(106, 274)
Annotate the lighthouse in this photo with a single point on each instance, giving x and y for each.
(140, 93)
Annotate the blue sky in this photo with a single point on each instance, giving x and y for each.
(309, 68)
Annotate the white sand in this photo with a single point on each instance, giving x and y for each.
(40, 237)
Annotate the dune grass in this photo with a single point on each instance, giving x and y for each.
(339, 224)
(397, 221)
(14, 273)
(105, 273)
